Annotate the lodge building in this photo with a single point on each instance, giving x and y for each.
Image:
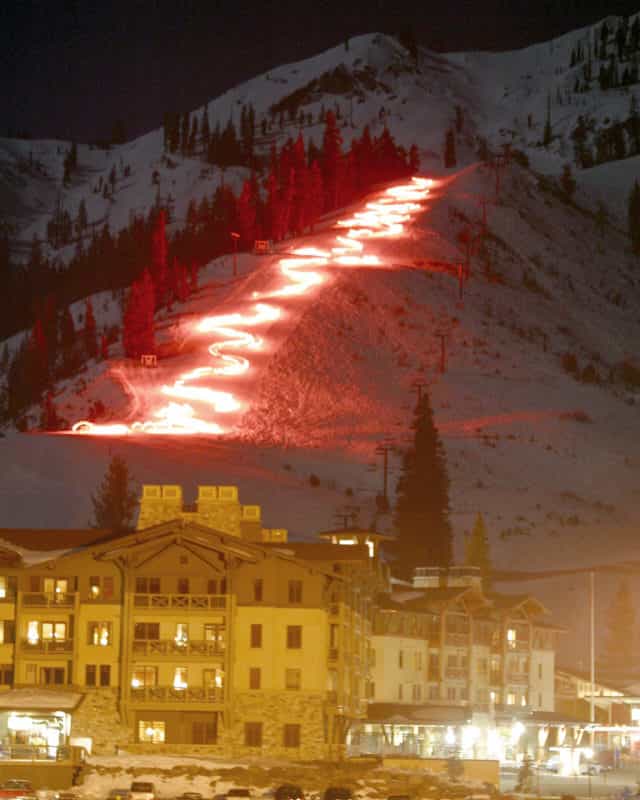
(205, 631)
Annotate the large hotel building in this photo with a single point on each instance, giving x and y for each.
(204, 631)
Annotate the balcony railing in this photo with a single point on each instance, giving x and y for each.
(47, 646)
(47, 599)
(188, 601)
(169, 694)
(518, 677)
(457, 673)
(169, 647)
(25, 752)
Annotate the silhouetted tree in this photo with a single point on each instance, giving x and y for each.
(115, 502)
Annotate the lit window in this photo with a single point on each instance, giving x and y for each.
(3, 587)
(511, 638)
(144, 677)
(151, 731)
(99, 634)
(33, 632)
(182, 634)
(511, 699)
(94, 587)
(180, 678)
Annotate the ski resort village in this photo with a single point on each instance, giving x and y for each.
(320, 433)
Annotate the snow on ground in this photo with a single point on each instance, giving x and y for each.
(551, 462)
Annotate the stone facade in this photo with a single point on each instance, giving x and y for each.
(274, 710)
(98, 718)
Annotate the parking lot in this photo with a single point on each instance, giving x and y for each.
(604, 785)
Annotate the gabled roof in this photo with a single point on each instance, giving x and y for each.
(514, 602)
(438, 598)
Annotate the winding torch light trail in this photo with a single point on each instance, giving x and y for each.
(303, 271)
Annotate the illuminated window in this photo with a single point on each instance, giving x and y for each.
(56, 587)
(143, 677)
(511, 699)
(95, 588)
(51, 631)
(152, 731)
(291, 735)
(99, 634)
(213, 678)
(214, 633)
(182, 634)
(511, 638)
(3, 587)
(180, 678)
(292, 679)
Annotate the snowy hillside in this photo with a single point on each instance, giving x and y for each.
(544, 445)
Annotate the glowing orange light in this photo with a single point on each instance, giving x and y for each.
(303, 270)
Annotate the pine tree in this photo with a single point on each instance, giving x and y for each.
(331, 155)
(423, 531)
(67, 339)
(621, 618)
(476, 551)
(316, 196)
(115, 502)
(49, 420)
(159, 265)
(89, 333)
(450, 150)
(138, 332)
(247, 214)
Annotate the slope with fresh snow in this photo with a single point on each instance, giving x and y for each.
(550, 462)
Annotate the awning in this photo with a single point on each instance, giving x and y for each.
(396, 713)
(39, 700)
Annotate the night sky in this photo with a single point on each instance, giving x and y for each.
(70, 69)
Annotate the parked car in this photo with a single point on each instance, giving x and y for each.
(289, 792)
(119, 794)
(142, 790)
(15, 787)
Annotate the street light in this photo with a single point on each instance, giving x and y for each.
(236, 237)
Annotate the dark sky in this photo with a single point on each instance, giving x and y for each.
(69, 69)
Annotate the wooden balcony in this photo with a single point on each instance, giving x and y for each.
(192, 648)
(154, 695)
(189, 602)
(48, 599)
(47, 647)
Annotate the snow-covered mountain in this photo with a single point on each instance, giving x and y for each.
(550, 460)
